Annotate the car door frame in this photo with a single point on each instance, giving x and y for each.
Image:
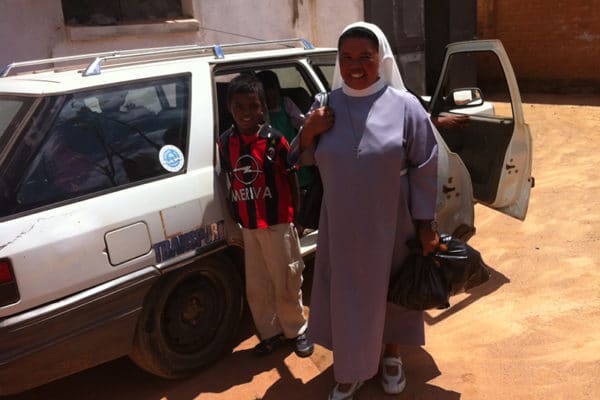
(314, 81)
(515, 180)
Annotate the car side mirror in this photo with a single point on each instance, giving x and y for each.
(464, 98)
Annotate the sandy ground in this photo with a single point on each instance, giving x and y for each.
(537, 335)
(532, 332)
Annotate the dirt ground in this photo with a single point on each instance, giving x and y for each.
(532, 332)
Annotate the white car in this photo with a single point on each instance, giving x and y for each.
(114, 233)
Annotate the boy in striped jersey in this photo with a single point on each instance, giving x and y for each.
(263, 193)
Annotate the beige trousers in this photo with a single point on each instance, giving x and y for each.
(274, 280)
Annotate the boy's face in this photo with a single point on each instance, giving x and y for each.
(247, 111)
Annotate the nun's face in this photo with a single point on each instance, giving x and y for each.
(359, 62)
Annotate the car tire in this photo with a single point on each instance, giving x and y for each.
(189, 319)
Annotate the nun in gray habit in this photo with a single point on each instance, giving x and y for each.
(377, 156)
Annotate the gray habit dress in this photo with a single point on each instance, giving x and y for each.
(379, 170)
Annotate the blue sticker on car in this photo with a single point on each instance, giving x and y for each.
(171, 158)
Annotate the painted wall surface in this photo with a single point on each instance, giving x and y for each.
(29, 29)
(553, 45)
(33, 29)
(321, 21)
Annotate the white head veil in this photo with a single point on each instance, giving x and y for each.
(388, 69)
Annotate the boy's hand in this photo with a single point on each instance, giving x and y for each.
(299, 229)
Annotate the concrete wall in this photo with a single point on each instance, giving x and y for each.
(553, 45)
(33, 29)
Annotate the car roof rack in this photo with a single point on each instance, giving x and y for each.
(94, 67)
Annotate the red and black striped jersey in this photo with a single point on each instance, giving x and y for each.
(258, 170)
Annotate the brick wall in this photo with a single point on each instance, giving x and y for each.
(553, 45)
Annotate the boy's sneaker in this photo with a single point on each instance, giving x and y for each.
(267, 346)
(302, 346)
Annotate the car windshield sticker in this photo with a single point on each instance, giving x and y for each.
(204, 236)
(171, 158)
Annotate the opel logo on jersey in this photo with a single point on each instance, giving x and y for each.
(246, 169)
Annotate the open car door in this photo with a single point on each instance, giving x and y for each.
(495, 145)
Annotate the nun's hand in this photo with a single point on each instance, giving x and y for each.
(429, 239)
(318, 121)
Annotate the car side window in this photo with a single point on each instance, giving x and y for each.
(474, 80)
(324, 66)
(108, 138)
(294, 86)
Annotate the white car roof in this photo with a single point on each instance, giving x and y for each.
(71, 78)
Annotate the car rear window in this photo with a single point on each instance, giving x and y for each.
(88, 143)
(9, 109)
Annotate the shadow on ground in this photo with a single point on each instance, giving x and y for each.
(420, 369)
(497, 280)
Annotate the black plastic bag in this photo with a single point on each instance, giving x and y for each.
(461, 264)
(426, 282)
(310, 204)
(419, 284)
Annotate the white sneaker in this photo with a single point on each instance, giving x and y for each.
(392, 384)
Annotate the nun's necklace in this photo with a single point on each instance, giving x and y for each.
(356, 134)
